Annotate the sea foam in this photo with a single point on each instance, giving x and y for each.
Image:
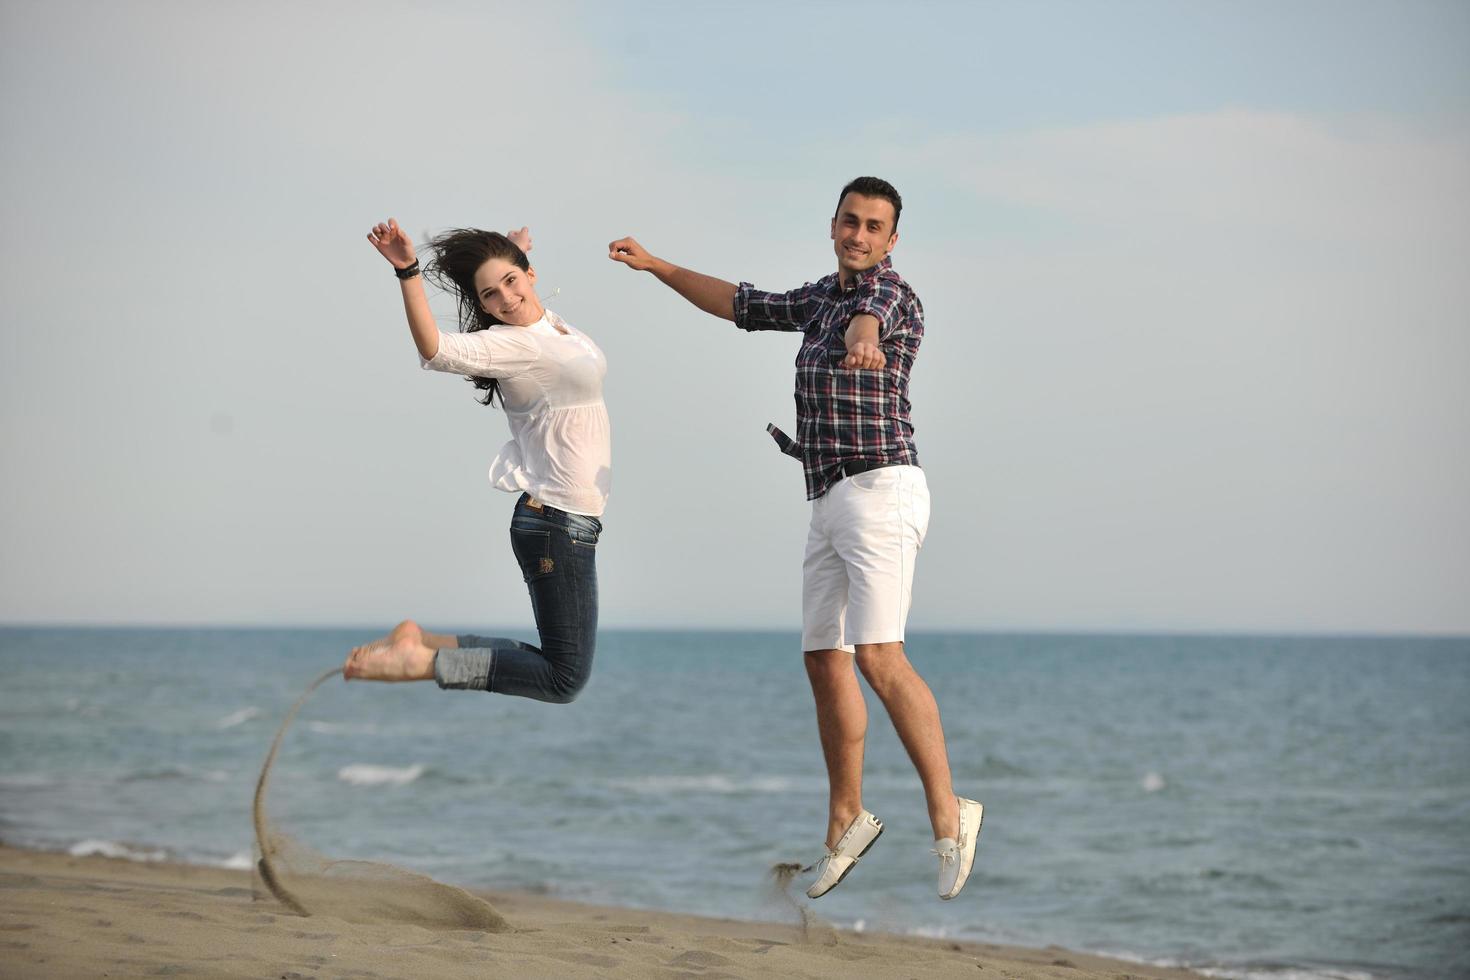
(1283, 973)
(108, 848)
(339, 728)
(710, 783)
(239, 861)
(237, 718)
(1242, 972)
(362, 774)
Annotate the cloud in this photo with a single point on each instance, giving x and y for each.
(1233, 169)
(191, 190)
(1215, 365)
(1175, 368)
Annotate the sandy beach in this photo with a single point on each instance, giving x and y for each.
(63, 916)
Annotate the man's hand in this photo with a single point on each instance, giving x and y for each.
(393, 243)
(715, 296)
(521, 239)
(864, 356)
(631, 254)
(861, 338)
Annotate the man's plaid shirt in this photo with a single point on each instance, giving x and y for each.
(844, 414)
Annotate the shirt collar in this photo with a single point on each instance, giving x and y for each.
(861, 278)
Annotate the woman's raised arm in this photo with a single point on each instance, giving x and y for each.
(394, 245)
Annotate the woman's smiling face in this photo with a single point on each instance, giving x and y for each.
(507, 292)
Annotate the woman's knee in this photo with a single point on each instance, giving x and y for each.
(568, 681)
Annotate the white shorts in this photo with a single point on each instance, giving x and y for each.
(858, 574)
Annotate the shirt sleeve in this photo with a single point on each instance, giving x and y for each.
(759, 310)
(883, 298)
(484, 353)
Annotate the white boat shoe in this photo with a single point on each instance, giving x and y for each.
(957, 854)
(859, 836)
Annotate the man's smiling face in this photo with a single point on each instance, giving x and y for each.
(862, 233)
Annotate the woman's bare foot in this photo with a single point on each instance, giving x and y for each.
(402, 655)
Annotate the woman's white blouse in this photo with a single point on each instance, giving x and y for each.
(560, 450)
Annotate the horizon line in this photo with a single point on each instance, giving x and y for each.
(1013, 630)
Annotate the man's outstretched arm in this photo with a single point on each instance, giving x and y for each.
(862, 343)
(714, 296)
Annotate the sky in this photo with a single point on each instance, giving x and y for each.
(1197, 349)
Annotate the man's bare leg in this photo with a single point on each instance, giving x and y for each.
(406, 654)
(915, 716)
(842, 722)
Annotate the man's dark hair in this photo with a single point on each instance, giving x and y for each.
(872, 187)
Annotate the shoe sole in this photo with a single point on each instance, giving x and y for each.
(964, 876)
(848, 870)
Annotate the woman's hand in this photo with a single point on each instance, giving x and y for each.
(521, 239)
(393, 244)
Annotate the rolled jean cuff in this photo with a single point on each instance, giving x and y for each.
(462, 670)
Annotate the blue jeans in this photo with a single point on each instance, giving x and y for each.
(557, 553)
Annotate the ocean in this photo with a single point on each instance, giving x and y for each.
(1282, 808)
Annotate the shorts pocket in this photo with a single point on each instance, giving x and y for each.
(882, 479)
(915, 498)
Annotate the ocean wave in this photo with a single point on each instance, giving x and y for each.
(1205, 880)
(113, 849)
(1283, 973)
(993, 767)
(1248, 879)
(340, 728)
(363, 774)
(78, 706)
(239, 861)
(1351, 843)
(30, 780)
(709, 783)
(1243, 972)
(237, 718)
(181, 773)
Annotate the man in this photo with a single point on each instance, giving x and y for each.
(870, 508)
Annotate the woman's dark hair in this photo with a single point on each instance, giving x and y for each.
(457, 256)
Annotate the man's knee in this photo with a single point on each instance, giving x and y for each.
(822, 663)
(881, 662)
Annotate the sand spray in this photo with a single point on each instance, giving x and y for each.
(309, 883)
(814, 929)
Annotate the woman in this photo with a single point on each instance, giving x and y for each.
(548, 378)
